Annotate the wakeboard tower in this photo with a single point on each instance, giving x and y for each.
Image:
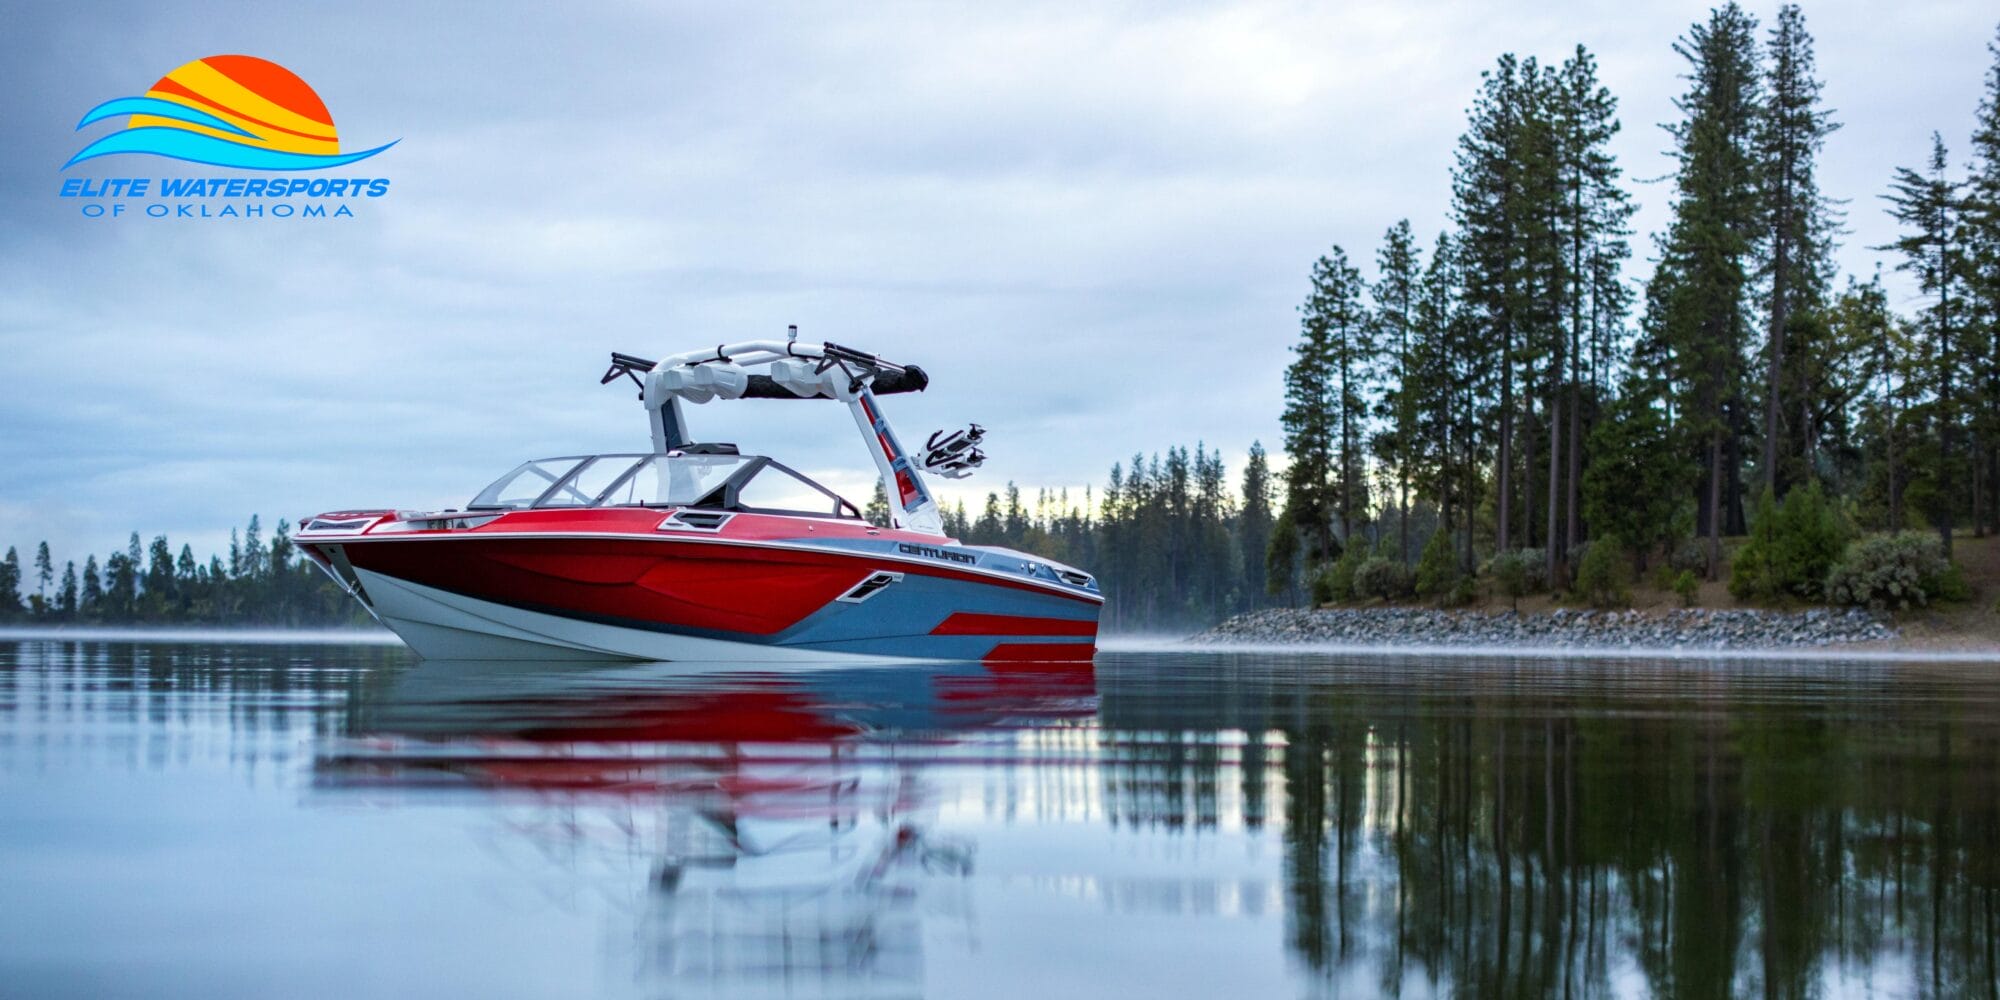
(694, 551)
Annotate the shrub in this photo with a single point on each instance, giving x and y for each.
(1953, 586)
(1437, 567)
(1335, 584)
(1519, 573)
(1688, 586)
(1792, 547)
(1600, 576)
(1464, 592)
(1383, 578)
(1689, 555)
(1892, 571)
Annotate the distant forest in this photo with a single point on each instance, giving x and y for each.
(259, 584)
(1492, 409)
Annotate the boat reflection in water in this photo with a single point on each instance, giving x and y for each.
(768, 831)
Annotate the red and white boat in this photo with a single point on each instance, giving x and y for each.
(692, 551)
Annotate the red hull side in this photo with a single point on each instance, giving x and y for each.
(729, 588)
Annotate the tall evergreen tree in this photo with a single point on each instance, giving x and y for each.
(45, 574)
(1697, 300)
(1395, 294)
(1797, 221)
(66, 596)
(1592, 223)
(90, 605)
(1982, 224)
(10, 585)
(1312, 432)
(1453, 378)
(255, 557)
(1872, 345)
(161, 593)
(1499, 204)
(1633, 484)
(1254, 524)
(1927, 204)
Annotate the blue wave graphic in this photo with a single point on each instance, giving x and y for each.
(194, 147)
(158, 109)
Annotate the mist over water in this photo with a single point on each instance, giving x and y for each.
(313, 819)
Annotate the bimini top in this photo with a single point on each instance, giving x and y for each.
(792, 369)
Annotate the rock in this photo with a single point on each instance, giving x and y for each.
(1694, 628)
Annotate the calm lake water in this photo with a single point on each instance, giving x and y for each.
(256, 820)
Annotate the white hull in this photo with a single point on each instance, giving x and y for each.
(440, 625)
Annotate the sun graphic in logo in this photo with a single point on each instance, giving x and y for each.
(226, 111)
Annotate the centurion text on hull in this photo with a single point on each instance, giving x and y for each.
(694, 551)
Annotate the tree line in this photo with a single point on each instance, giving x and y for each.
(1172, 544)
(261, 583)
(1509, 389)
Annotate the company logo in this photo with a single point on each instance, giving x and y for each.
(225, 111)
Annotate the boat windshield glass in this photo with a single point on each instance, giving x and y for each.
(677, 481)
(523, 486)
(586, 484)
(779, 490)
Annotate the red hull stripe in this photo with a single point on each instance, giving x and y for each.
(1041, 652)
(971, 623)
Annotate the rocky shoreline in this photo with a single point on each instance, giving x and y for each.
(1688, 628)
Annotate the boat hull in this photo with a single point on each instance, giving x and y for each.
(537, 596)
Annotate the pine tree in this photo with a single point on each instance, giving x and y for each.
(91, 604)
(1498, 227)
(1452, 379)
(1591, 227)
(66, 597)
(1254, 525)
(45, 574)
(1351, 359)
(1982, 224)
(1697, 305)
(1015, 526)
(1311, 430)
(160, 590)
(255, 558)
(1398, 275)
(1927, 204)
(1861, 317)
(877, 513)
(121, 587)
(1634, 484)
(10, 586)
(1797, 221)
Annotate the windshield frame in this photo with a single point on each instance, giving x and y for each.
(534, 464)
(725, 495)
(732, 488)
(546, 502)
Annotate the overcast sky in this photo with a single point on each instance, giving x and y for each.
(1091, 223)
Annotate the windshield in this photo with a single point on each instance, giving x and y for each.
(677, 481)
(780, 490)
(735, 482)
(523, 486)
(586, 484)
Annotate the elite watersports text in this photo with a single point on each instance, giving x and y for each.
(323, 197)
